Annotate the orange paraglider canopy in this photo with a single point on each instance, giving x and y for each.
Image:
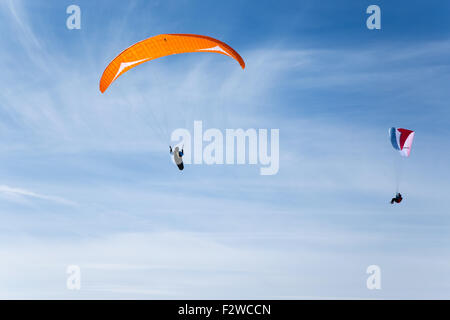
(160, 46)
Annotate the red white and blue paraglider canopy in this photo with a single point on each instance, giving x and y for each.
(402, 140)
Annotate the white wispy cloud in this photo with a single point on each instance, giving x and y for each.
(13, 193)
(180, 265)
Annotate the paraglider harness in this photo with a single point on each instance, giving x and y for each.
(398, 198)
(180, 155)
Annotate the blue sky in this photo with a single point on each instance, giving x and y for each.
(86, 179)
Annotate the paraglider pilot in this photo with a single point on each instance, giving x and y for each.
(398, 198)
(178, 156)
